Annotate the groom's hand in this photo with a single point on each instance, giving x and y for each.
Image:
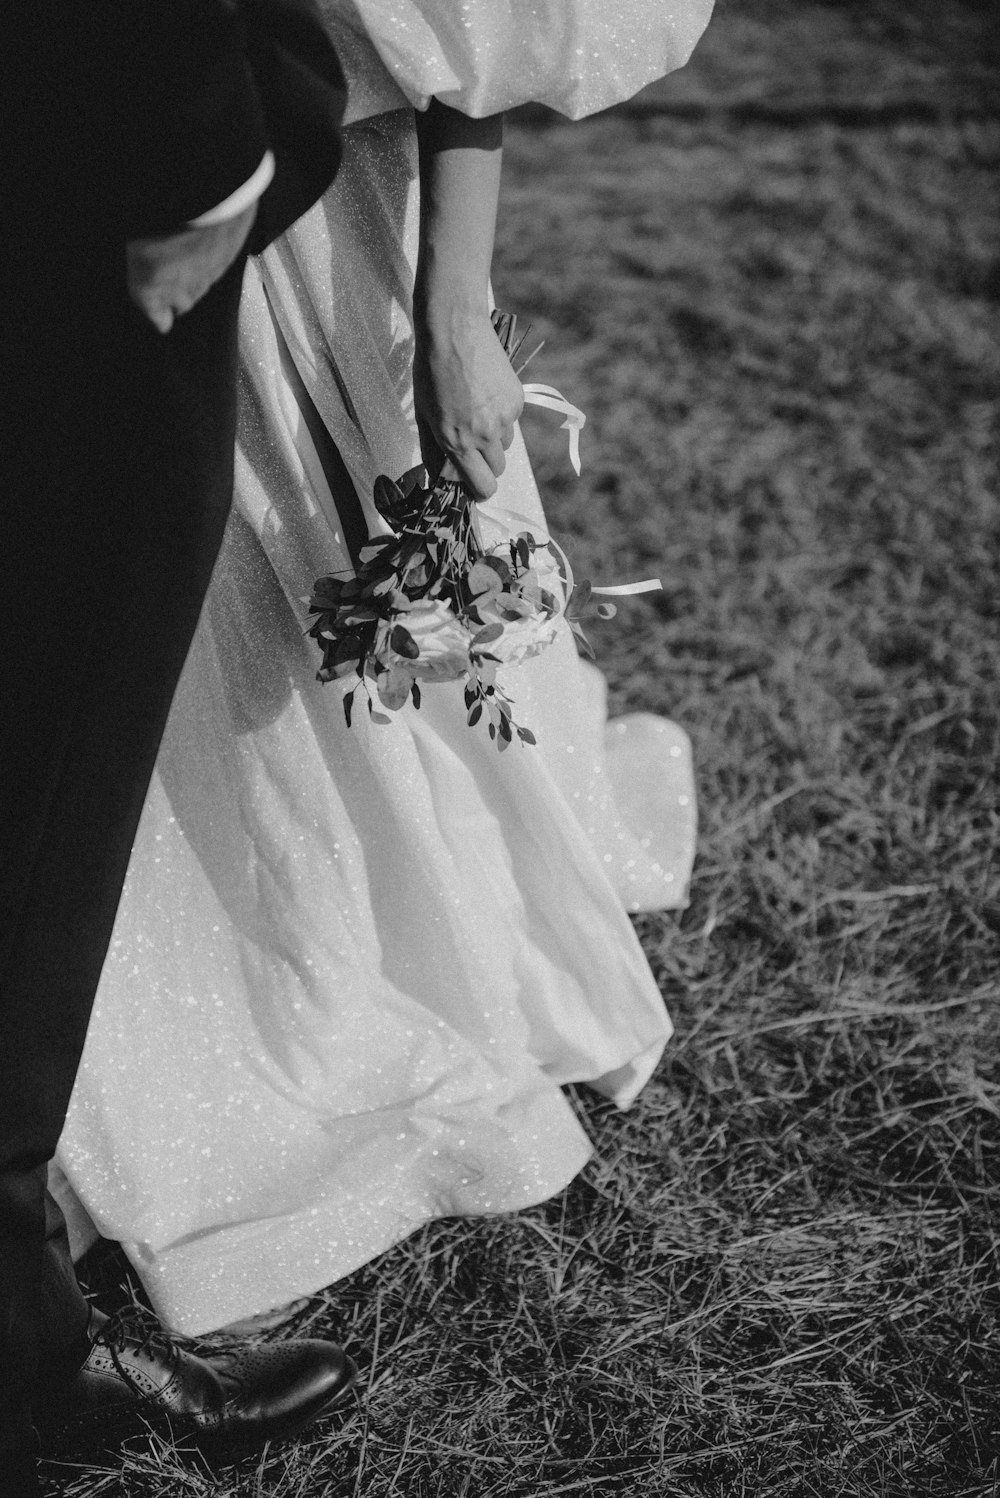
(167, 276)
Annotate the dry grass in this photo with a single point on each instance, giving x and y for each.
(780, 1275)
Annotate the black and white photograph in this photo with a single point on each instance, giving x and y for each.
(500, 746)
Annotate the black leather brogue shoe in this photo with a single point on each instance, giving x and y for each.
(224, 1401)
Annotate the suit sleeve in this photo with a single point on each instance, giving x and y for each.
(304, 95)
(133, 119)
(245, 75)
(189, 127)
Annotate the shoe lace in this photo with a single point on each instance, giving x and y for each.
(137, 1330)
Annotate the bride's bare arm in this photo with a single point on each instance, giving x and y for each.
(467, 396)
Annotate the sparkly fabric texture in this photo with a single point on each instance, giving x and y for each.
(484, 56)
(352, 968)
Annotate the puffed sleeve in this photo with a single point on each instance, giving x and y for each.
(484, 56)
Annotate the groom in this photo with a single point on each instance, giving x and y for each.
(146, 148)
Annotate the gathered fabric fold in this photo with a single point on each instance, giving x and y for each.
(575, 56)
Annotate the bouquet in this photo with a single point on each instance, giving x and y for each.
(437, 600)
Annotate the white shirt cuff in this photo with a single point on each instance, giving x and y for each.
(240, 199)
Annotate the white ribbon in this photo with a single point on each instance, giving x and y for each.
(620, 590)
(506, 521)
(545, 395)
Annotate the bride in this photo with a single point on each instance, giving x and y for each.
(353, 967)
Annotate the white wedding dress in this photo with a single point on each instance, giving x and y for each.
(352, 968)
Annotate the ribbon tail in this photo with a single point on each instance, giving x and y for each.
(574, 443)
(549, 397)
(623, 590)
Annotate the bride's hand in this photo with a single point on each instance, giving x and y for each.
(467, 397)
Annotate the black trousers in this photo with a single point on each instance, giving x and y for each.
(116, 483)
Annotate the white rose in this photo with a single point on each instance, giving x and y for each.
(533, 632)
(441, 638)
(521, 638)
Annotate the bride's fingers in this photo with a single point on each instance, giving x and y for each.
(478, 462)
(477, 473)
(467, 467)
(493, 452)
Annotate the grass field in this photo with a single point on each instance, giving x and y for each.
(781, 1273)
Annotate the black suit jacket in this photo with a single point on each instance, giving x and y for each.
(123, 118)
(131, 117)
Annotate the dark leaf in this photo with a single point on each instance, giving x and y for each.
(415, 694)
(475, 715)
(326, 594)
(579, 599)
(390, 501)
(347, 648)
(499, 566)
(503, 742)
(403, 643)
(486, 636)
(348, 704)
(526, 736)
